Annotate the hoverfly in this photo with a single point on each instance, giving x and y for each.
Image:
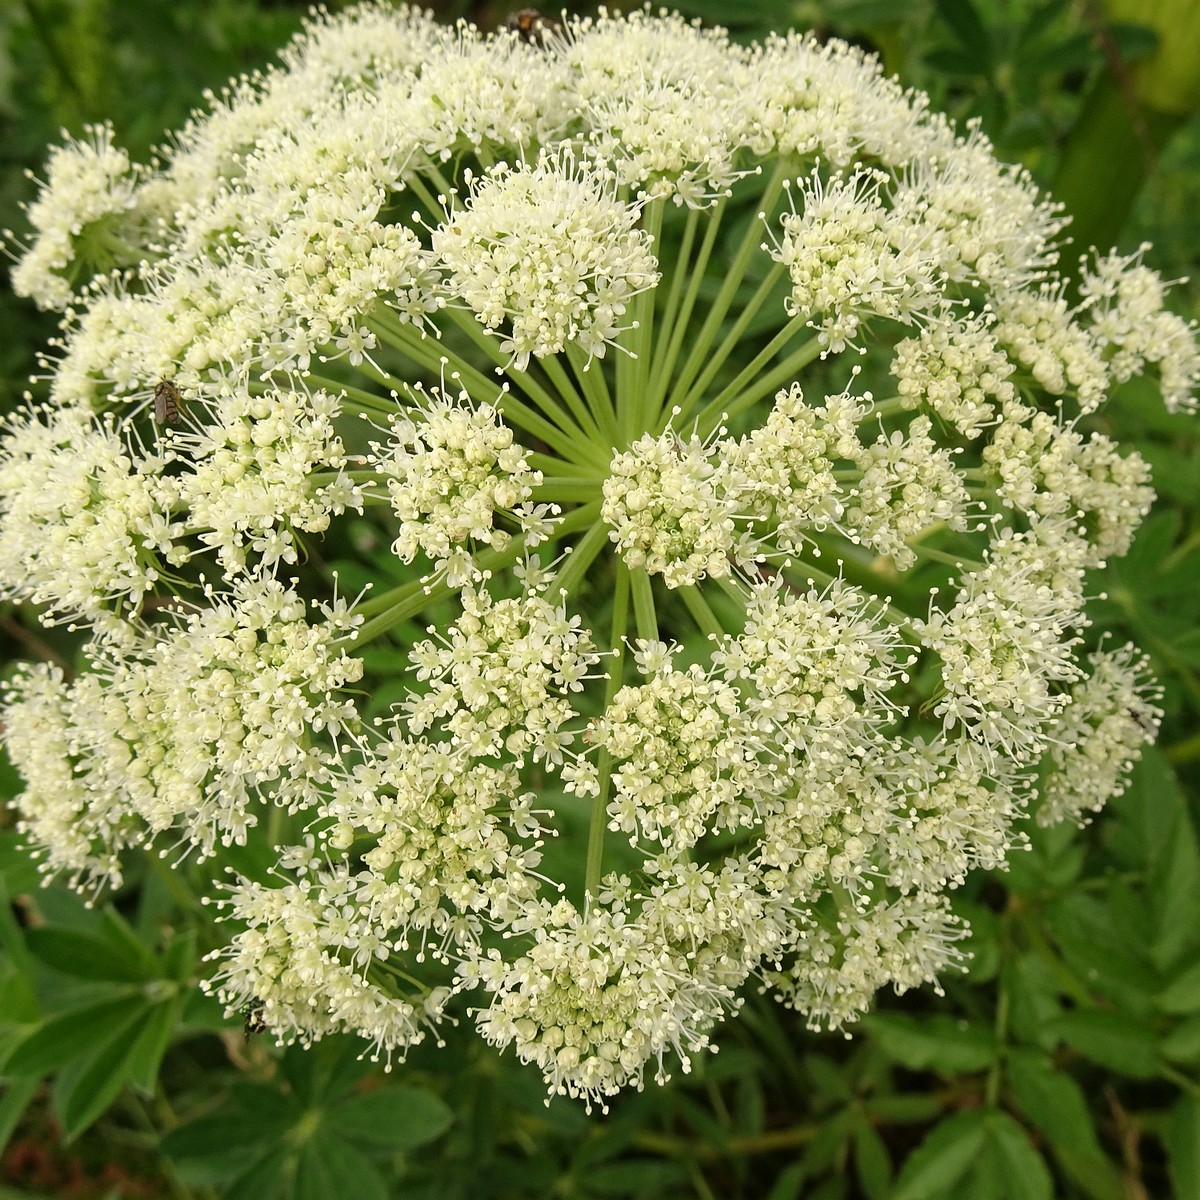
(531, 26)
(168, 403)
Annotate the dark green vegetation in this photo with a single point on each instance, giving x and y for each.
(1065, 1063)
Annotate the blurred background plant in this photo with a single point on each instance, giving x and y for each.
(1065, 1063)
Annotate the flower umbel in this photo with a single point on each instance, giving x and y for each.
(714, 444)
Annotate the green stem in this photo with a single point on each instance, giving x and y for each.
(637, 374)
(664, 370)
(567, 488)
(549, 465)
(715, 411)
(643, 605)
(765, 386)
(386, 406)
(599, 814)
(751, 241)
(581, 556)
(734, 336)
(701, 612)
(595, 388)
(679, 272)
(522, 379)
(483, 390)
(584, 416)
(951, 560)
(888, 408)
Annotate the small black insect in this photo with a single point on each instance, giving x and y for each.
(254, 1022)
(531, 26)
(167, 403)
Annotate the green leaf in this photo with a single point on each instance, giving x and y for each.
(1052, 1100)
(261, 1180)
(83, 1093)
(394, 1118)
(1181, 1136)
(789, 1183)
(872, 1161)
(329, 1168)
(934, 1043)
(1182, 1044)
(1111, 1039)
(122, 935)
(152, 1043)
(84, 956)
(961, 16)
(1174, 890)
(635, 1177)
(179, 958)
(944, 1159)
(222, 1136)
(1182, 994)
(73, 1035)
(17, 1095)
(1026, 1174)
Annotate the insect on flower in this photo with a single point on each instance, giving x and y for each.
(254, 1022)
(167, 403)
(531, 26)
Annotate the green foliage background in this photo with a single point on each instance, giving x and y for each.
(1066, 1063)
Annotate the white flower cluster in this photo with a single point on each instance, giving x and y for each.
(189, 730)
(1099, 736)
(551, 250)
(250, 483)
(875, 603)
(850, 256)
(84, 522)
(84, 219)
(448, 477)
(663, 500)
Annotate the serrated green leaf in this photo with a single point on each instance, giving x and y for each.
(944, 1159)
(395, 1118)
(1111, 1039)
(1026, 1175)
(73, 1035)
(933, 1043)
(329, 1168)
(1181, 1136)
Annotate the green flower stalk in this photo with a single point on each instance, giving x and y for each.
(732, 670)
